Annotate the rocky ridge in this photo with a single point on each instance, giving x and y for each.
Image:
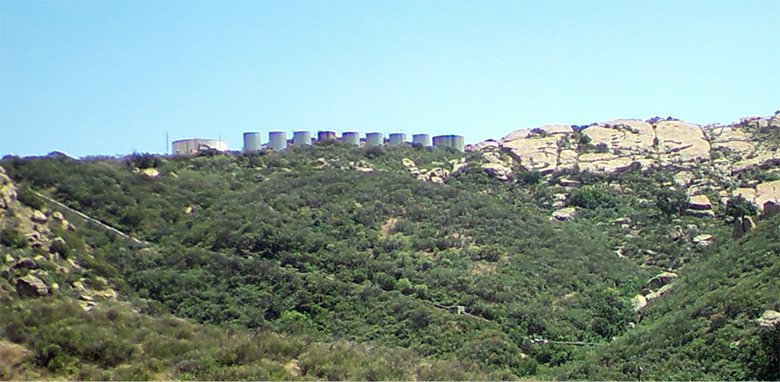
(702, 158)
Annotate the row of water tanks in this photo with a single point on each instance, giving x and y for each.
(277, 140)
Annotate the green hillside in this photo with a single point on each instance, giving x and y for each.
(340, 262)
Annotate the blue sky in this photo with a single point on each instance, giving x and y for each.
(113, 77)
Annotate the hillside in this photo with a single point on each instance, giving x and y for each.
(508, 261)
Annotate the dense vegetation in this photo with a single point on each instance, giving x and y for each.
(301, 244)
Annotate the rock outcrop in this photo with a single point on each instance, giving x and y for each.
(769, 318)
(567, 213)
(720, 152)
(7, 190)
(661, 279)
(31, 286)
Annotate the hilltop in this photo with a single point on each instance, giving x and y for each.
(558, 252)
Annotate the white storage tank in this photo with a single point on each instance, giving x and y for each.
(456, 142)
(441, 141)
(253, 142)
(397, 139)
(302, 138)
(423, 139)
(351, 138)
(277, 140)
(374, 139)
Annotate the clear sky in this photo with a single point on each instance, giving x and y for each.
(113, 77)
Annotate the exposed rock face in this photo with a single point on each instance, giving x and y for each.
(39, 217)
(660, 292)
(567, 213)
(498, 171)
(761, 194)
(151, 172)
(771, 208)
(700, 202)
(681, 142)
(7, 189)
(702, 238)
(769, 318)
(536, 149)
(690, 150)
(638, 303)
(24, 264)
(31, 286)
(662, 279)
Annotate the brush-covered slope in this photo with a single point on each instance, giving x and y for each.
(68, 312)
(472, 260)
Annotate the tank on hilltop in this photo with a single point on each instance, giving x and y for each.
(397, 139)
(423, 139)
(456, 142)
(374, 139)
(253, 142)
(326, 135)
(351, 138)
(301, 138)
(277, 140)
(194, 145)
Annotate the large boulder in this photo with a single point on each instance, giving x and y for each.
(769, 318)
(31, 286)
(638, 303)
(661, 279)
(567, 213)
(151, 172)
(700, 202)
(771, 208)
(498, 171)
(660, 292)
(767, 191)
(26, 263)
(39, 217)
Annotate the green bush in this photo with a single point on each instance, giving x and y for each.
(10, 237)
(738, 207)
(28, 197)
(590, 197)
(672, 202)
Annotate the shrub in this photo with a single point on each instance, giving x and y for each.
(590, 197)
(10, 237)
(738, 207)
(28, 197)
(671, 201)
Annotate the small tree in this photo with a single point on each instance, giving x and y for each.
(738, 207)
(672, 202)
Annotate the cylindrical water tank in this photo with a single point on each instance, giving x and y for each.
(351, 138)
(458, 142)
(374, 139)
(252, 142)
(325, 135)
(397, 139)
(277, 140)
(301, 138)
(442, 141)
(423, 139)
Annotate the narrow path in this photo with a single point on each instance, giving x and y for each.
(91, 219)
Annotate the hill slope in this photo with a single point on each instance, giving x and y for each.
(471, 257)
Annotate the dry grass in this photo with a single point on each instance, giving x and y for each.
(11, 356)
